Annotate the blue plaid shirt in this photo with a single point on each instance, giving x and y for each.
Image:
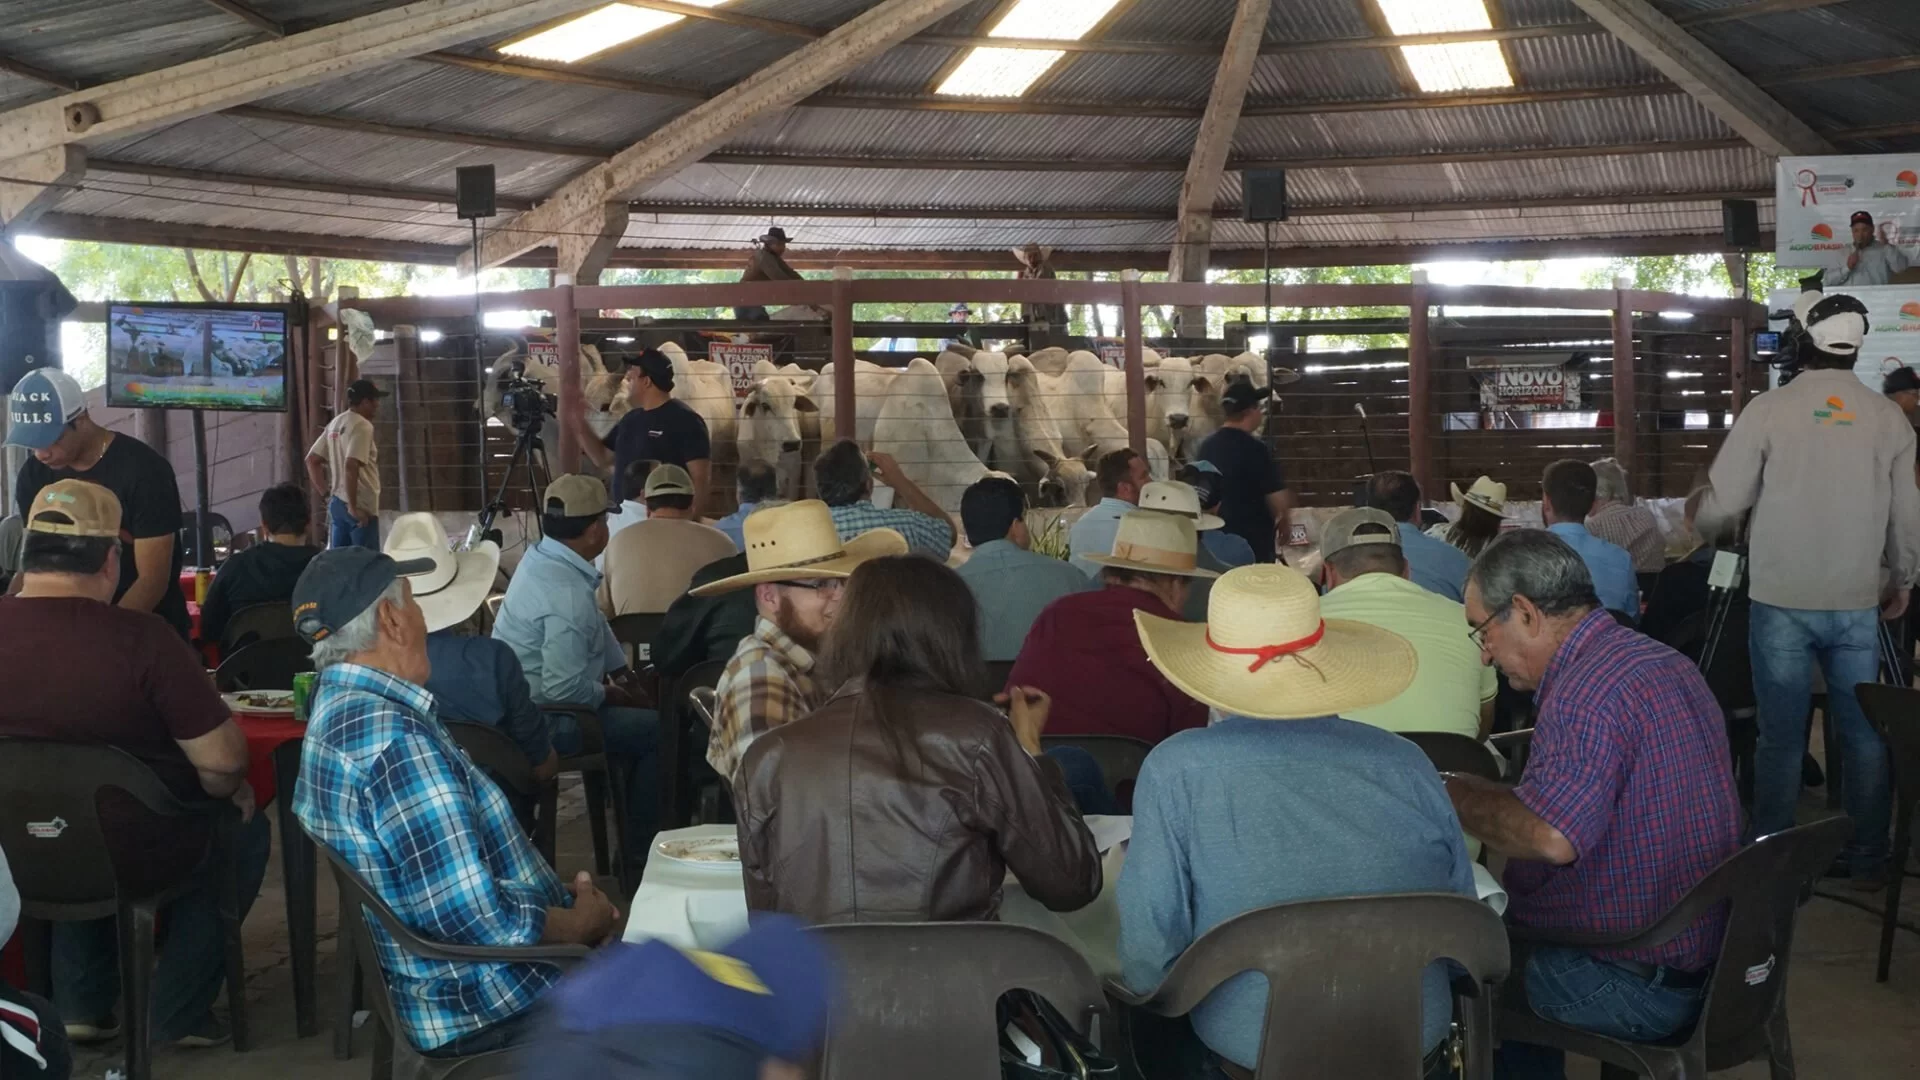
(925, 535)
(383, 785)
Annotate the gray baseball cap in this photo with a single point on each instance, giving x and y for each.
(42, 404)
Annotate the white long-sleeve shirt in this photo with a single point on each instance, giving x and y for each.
(1877, 264)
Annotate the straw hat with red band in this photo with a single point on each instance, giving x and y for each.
(1265, 652)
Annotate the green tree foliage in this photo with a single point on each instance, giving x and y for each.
(1693, 275)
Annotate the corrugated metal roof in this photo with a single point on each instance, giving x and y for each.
(1602, 122)
(863, 132)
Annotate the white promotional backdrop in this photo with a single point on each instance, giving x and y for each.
(1893, 327)
(1815, 198)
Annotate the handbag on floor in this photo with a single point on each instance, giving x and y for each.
(1028, 1021)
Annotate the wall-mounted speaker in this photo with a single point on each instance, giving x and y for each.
(473, 191)
(1740, 223)
(1264, 194)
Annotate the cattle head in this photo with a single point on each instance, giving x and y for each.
(1170, 391)
(991, 369)
(1066, 480)
(772, 412)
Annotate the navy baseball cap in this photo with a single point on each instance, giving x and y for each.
(655, 365)
(42, 404)
(338, 585)
(1241, 395)
(655, 1011)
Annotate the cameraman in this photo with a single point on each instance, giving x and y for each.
(659, 427)
(1826, 466)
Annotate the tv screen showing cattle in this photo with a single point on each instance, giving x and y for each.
(196, 356)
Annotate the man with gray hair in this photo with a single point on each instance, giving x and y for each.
(1618, 519)
(385, 788)
(1626, 804)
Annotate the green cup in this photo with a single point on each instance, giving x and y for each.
(303, 694)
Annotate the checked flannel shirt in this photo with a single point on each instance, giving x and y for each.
(769, 682)
(386, 788)
(925, 535)
(1629, 762)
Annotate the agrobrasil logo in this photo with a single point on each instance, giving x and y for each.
(1819, 238)
(1906, 185)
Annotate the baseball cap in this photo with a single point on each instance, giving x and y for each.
(655, 365)
(338, 585)
(42, 404)
(1900, 379)
(580, 496)
(1240, 395)
(657, 1011)
(1836, 322)
(1344, 530)
(75, 508)
(363, 389)
(667, 480)
(1860, 217)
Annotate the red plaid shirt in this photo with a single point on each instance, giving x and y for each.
(1630, 763)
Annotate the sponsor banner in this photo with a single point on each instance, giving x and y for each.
(1527, 388)
(739, 360)
(1893, 327)
(1815, 198)
(1114, 353)
(543, 352)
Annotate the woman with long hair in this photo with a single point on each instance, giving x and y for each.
(1482, 509)
(906, 797)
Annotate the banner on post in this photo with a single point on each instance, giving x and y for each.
(543, 352)
(739, 360)
(1114, 353)
(1815, 198)
(1528, 382)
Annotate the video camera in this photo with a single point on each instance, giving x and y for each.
(527, 401)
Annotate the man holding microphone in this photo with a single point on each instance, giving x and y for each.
(1872, 261)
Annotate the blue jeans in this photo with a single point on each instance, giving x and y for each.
(1569, 986)
(346, 531)
(633, 746)
(86, 971)
(1785, 643)
(1084, 780)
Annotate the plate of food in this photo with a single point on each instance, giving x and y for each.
(260, 702)
(710, 853)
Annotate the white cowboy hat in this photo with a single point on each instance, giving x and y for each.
(1177, 497)
(1265, 652)
(1486, 493)
(1155, 542)
(458, 582)
(798, 542)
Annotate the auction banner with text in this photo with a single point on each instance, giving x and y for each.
(1816, 197)
(1893, 327)
(739, 360)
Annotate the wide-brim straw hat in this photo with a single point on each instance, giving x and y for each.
(459, 581)
(1265, 652)
(1486, 493)
(798, 542)
(1178, 497)
(1155, 542)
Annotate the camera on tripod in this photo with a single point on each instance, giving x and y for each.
(527, 401)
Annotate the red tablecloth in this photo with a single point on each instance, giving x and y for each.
(264, 735)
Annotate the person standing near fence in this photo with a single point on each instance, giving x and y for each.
(659, 427)
(344, 462)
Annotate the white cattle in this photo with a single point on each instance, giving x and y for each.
(1051, 360)
(963, 383)
(915, 424)
(777, 418)
(870, 383)
(1063, 474)
(1082, 406)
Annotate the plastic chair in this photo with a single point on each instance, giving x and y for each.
(636, 632)
(918, 999)
(393, 1055)
(534, 802)
(256, 622)
(264, 665)
(1451, 751)
(602, 782)
(220, 533)
(68, 869)
(1119, 756)
(1745, 1012)
(684, 773)
(1344, 980)
(1894, 711)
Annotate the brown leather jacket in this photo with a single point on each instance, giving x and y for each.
(839, 823)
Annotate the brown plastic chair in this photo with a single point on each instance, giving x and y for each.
(534, 802)
(1344, 980)
(686, 781)
(68, 869)
(1119, 756)
(636, 631)
(600, 783)
(1745, 1012)
(918, 999)
(394, 1057)
(1895, 712)
(264, 665)
(1451, 751)
(256, 622)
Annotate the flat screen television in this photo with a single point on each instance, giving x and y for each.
(197, 356)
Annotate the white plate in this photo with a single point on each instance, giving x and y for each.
(713, 853)
(283, 702)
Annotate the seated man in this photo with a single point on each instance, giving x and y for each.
(1180, 497)
(386, 789)
(1281, 800)
(1369, 580)
(1011, 583)
(1084, 652)
(1619, 520)
(568, 651)
(1120, 475)
(1432, 564)
(265, 572)
(476, 679)
(651, 562)
(844, 478)
(796, 566)
(755, 484)
(700, 628)
(1627, 801)
(146, 693)
(1567, 493)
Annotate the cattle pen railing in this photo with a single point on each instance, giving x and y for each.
(1418, 395)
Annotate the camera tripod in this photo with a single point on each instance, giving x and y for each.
(528, 452)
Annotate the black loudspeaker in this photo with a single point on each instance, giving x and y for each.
(1740, 223)
(1264, 193)
(473, 186)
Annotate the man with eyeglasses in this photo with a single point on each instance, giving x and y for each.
(1626, 804)
(796, 566)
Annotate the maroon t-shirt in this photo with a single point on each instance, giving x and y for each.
(1084, 652)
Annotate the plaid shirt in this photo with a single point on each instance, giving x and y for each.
(1629, 762)
(385, 787)
(1633, 528)
(925, 535)
(768, 682)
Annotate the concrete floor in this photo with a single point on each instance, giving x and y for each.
(1845, 1026)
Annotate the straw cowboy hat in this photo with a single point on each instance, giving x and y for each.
(1178, 497)
(1486, 493)
(458, 582)
(798, 542)
(1156, 542)
(1265, 652)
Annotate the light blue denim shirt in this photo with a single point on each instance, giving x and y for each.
(551, 622)
(734, 525)
(1093, 534)
(1013, 586)
(1435, 565)
(1610, 565)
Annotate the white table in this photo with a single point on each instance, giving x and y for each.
(704, 907)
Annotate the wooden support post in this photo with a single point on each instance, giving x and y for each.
(1420, 389)
(407, 408)
(573, 397)
(1737, 342)
(841, 315)
(1135, 365)
(1625, 424)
